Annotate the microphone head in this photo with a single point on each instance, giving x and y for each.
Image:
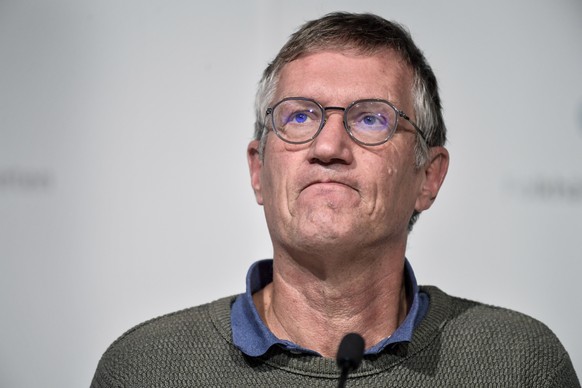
(350, 352)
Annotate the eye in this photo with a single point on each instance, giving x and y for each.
(369, 121)
(298, 118)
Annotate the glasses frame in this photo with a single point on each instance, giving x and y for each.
(399, 114)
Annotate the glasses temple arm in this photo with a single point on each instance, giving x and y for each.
(420, 132)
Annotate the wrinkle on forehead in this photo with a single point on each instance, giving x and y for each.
(306, 77)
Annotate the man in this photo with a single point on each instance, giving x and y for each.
(348, 151)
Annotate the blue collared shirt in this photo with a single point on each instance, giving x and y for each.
(253, 337)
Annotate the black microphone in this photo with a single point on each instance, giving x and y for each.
(349, 355)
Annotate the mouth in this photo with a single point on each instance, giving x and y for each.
(330, 184)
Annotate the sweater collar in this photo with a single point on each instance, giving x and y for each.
(253, 337)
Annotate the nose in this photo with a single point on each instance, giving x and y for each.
(333, 144)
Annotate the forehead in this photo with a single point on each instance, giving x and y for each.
(334, 77)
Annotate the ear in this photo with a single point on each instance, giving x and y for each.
(255, 166)
(434, 175)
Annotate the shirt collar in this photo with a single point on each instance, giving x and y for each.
(253, 338)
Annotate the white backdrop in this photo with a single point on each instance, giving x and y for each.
(124, 190)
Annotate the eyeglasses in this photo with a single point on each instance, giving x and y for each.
(369, 122)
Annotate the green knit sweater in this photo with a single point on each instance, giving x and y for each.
(459, 343)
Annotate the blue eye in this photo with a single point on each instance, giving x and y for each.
(369, 120)
(299, 118)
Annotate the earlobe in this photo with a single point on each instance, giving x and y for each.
(255, 165)
(434, 175)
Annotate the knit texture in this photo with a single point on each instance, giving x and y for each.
(459, 343)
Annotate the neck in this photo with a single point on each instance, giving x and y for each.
(316, 306)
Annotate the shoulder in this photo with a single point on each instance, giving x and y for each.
(499, 339)
(468, 317)
(200, 320)
(166, 339)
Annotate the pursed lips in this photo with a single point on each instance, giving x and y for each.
(330, 183)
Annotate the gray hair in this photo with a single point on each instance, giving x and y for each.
(366, 34)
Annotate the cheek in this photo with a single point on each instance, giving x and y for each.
(275, 178)
(269, 184)
(382, 189)
(393, 193)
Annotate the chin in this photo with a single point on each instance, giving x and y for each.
(323, 237)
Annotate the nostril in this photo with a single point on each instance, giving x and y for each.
(329, 162)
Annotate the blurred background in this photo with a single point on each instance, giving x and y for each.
(124, 191)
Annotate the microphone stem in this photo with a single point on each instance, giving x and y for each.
(343, 378)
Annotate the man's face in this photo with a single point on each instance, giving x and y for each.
(333, 194)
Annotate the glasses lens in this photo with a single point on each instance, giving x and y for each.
(296, 120)
(371, 122)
